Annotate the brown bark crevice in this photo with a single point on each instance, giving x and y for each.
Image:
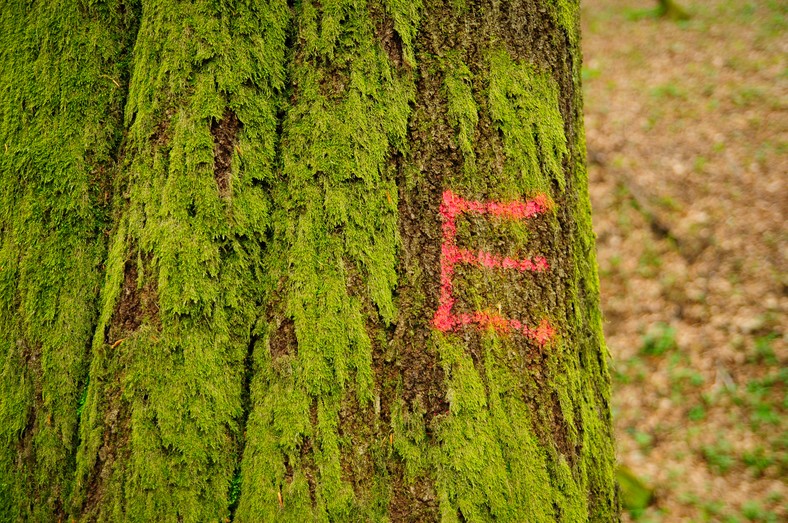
(225, 140)
(137, 303)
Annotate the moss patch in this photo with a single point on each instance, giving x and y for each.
(334, 257)
(62, 99)
(162, 423)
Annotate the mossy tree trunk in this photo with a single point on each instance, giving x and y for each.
(298, 261)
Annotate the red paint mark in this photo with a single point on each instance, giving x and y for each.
(453, 254)
(453, 205)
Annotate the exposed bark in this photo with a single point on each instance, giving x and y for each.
(263, 346)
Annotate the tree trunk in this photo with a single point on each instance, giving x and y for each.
(310, 261)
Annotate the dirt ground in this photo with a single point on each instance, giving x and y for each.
(687, 124)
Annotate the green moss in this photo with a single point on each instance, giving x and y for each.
(336, 245)
(567, 16)
(523, 104)
(278, 424)
(491, 467)
(172, 435)
(406, 15)
(460, 7)
(61, 100)
(593, 374)
(462, 110)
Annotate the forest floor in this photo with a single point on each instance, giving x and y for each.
(687, 127)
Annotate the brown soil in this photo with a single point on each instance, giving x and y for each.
(686, 127)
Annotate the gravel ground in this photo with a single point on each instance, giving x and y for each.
(687, 125)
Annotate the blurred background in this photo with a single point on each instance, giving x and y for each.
(687, 121)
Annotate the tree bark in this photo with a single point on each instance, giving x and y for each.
(311, 261)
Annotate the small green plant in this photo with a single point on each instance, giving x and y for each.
(774, 497)
(754, 511)
(670, 9)
(643, 439)
(681, 375)
(649, 262)
(611, 267)
(747, 96)
(235, 489)
(668, 202)
(765, 408)
(696, 379)
(711, 508)
(82, 399)
(763, 349)
(589, 73)
(758, 460)
(660, 339)
(636, 495)
(697, 413)
(764, 414)
(669, 90)
(699, 164)
(664, 9)
(719, 456)
(633, 369)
